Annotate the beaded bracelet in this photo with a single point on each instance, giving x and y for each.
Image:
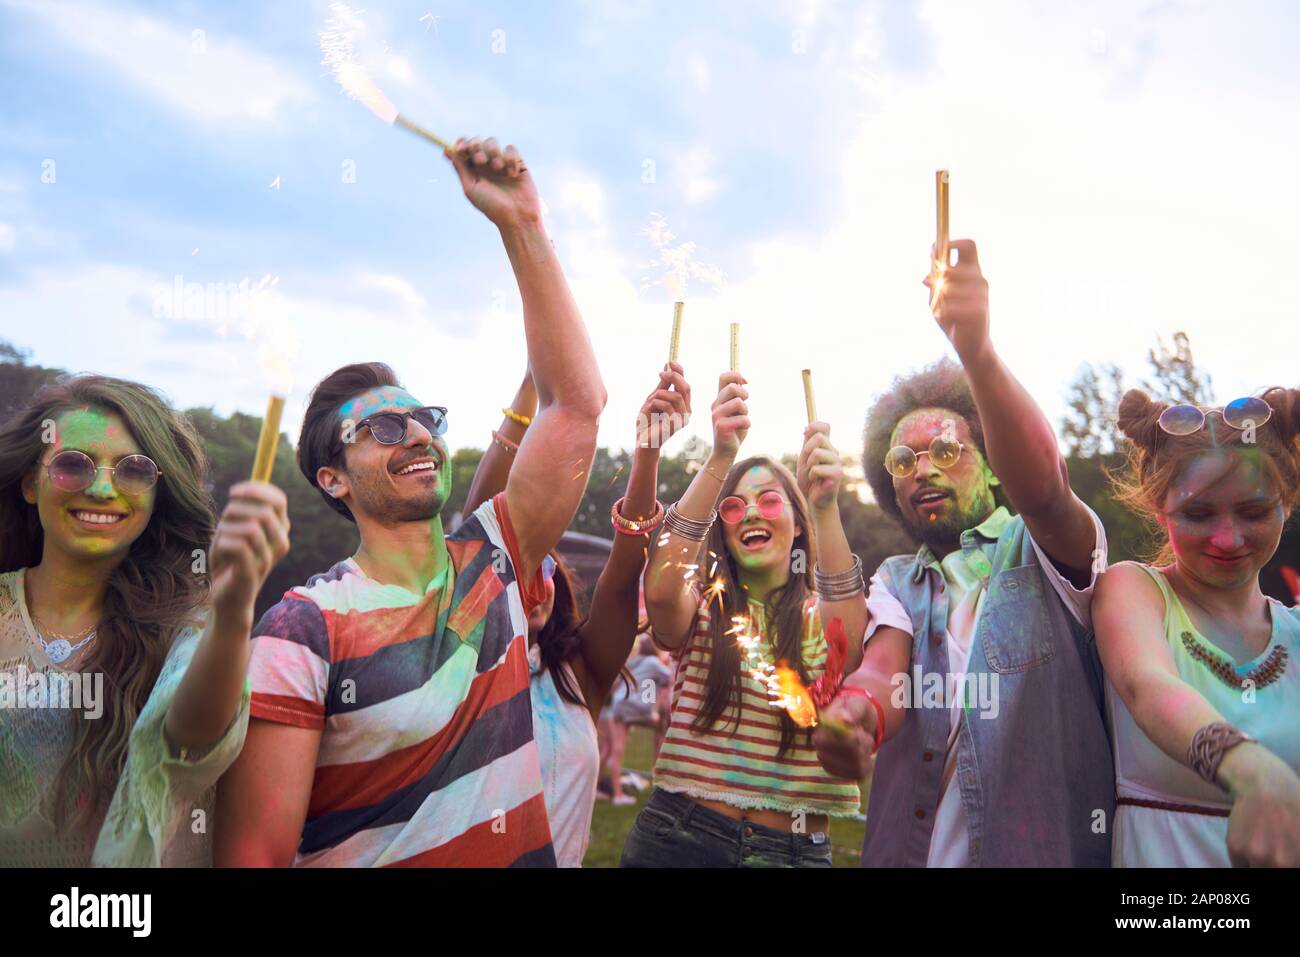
(839, 585)
(1209, 745)
(503, 443)
(514, 416)
(629, 526)
(694, 529)
(854, 691)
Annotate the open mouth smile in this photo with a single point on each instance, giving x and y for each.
(755, 538)
(88, 517)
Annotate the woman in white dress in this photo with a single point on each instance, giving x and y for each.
(1202, 692)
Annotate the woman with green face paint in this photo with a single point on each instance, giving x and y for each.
(123, 627)
(737, 781)
(1203, 689)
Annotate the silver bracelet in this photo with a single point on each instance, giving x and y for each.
(1209, 744)
(839, 585)
(694, 529)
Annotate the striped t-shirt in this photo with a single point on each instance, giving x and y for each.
(739, 765)
(427, 755)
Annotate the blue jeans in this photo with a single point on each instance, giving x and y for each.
(674, 831)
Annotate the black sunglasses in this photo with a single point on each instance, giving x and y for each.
(389, 428)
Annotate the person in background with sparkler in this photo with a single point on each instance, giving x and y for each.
(391, 715)
(737, 782)
(1004, 760)
(105, 524)
(573, 661)
(1204, 701)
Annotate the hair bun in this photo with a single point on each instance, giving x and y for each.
(1285, 404)
(1139, 418)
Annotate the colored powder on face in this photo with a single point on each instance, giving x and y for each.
(388, 398)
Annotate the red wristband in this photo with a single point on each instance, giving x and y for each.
(851, 691)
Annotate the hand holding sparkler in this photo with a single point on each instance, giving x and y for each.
(497, 182)
(252, 535)
(845, 738)
(665, 411)
(961, 302)
(820, 470)
(730, 416)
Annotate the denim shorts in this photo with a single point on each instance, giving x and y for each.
(674, 831)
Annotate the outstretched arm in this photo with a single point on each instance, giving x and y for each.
(608, 635)
(550, 471)
(494, 467)
(251, 537)
(1022, 448)
(670, 598)
(820, 476)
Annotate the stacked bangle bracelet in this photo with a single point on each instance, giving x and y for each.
(630, 526)
(694, 529)
(514, 416)
(503, 443)
(840, 585)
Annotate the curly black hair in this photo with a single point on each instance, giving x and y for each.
(942, 385)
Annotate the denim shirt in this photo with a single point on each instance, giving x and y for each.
(1037, 780)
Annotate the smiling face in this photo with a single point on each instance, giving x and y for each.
(407, 482)
(100, 522)
(939, 504)
(1224, 518)
(761, 546)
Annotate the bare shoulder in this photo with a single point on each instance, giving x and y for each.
(1128, 584)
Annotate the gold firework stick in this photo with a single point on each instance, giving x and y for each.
(808, 399)
(940, 234)
(268, 439)
(675, 344)
(419, 130)
(735, 347)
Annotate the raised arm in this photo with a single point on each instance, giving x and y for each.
(670, 598)
(251, 537)
(1128, 614)
(549, 475)
(610, 630)
(1022, 448)
(494, 467)
(820, 475)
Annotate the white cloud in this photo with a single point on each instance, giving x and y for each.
(6, 238)
(200, 72)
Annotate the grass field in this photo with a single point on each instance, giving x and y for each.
(610, 825)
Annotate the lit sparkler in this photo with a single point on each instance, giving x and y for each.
(336, 42)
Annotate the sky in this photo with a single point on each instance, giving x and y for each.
(1127, 170)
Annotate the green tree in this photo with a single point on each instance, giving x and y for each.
(18, 380)
(319, 536)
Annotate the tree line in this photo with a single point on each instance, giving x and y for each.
(1090, 441)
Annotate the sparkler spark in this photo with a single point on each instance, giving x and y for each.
(675, 262)
(337, 43)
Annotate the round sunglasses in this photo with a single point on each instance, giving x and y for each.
(1241, 414)
(73, 471)
(389, 428)
(900, 461)
(770, 504)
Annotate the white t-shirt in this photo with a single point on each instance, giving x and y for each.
(950, 840)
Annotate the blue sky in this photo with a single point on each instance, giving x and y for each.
(1126, 168)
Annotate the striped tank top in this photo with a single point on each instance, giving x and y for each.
(739, 765)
